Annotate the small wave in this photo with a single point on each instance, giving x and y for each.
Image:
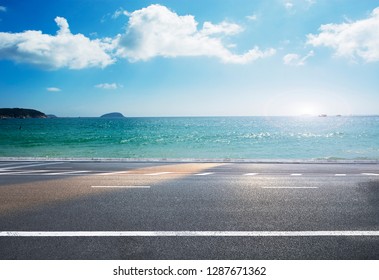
(257, 135)
(316, 135)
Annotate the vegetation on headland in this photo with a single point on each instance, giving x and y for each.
(113, 115)
(20, 113)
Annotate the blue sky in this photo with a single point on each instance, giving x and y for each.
(190, 58)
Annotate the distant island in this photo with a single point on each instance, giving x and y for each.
(113, 115)
(20, 113)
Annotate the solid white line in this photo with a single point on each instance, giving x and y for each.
(339, 175)
(204, 174)
(296, 174)
(44, 172)
(25, 172)
(250, 174)
(123, 187)
(159, 173)
(11, 164)
(370, 174)
(31, 165)
(185, 233)
(289, 187)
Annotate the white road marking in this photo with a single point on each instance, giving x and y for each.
(204, 174)
(44, 172)
(11, 171)
(25, 172)
(158, 173)
(65, 173)
(185, 233)
(31, 165)
(289, 187)
(112, 173)
(123, 187)
(370, 174)
(15, 163)
(250, 174)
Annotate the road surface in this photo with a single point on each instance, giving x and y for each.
(155, 210)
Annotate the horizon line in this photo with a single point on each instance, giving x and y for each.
(225, 116)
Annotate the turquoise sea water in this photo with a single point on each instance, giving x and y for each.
(193, 137)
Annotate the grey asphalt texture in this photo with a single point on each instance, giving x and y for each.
(52, 196)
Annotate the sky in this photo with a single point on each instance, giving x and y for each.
(190, 58)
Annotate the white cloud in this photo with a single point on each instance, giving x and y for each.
(252, 17)
(288, 5)
(152, 31)
(224, 28)
(157, 31)
(3, 9)
(62, 50)
(295, 6)
(119, 12)
(53, 89)
(359, 39)
(294, 59)
(108, 86)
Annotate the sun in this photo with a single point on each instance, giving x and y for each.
(306, 109)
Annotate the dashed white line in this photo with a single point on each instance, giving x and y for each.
(158, 173)
(65, 173)
(370, 174)
(185, 233)
(112, 173)
(250, 174)
(11, 171)
(204, 174)
(289, 187)
(123, 187)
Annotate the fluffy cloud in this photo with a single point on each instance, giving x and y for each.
(62, 50)
(294, 59)
(152, 31)
(108, 86)
(359, 39)
(157, 31)
(224, 28)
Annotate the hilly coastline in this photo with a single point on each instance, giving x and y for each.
(20, 113)
(113, 115)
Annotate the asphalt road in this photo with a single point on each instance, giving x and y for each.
(188, 210)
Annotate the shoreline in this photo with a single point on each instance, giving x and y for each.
(198, 160)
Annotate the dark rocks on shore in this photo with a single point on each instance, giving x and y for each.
(113, 115)
(20, 113)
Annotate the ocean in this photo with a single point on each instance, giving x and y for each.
(193, 137)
